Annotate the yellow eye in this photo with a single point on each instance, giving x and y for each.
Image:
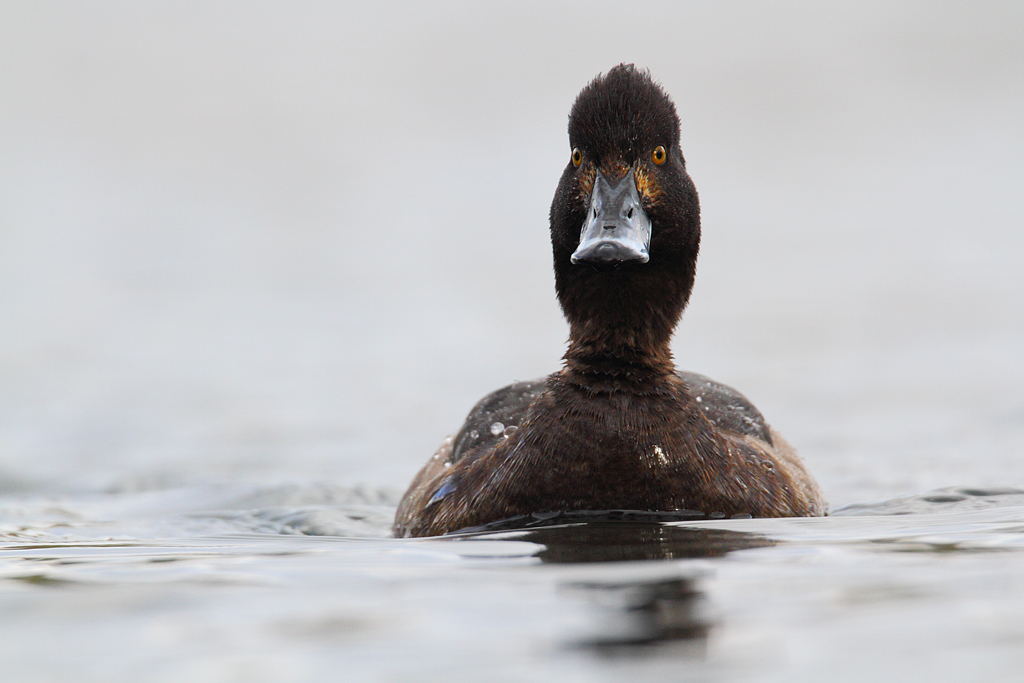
(658, 156)
(577, 156)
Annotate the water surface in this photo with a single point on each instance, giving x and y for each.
(222, 583)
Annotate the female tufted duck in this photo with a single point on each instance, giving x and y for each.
(618, 428)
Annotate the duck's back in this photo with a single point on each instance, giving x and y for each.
(500, 413)
(495, 417)
(725, 457)
(725, 408)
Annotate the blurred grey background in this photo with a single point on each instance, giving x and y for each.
(300, 240)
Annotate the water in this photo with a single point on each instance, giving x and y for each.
(256, 262)
(222, 583)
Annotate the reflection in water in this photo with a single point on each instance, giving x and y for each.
(645, 613)
(652, 613)
(608, 540)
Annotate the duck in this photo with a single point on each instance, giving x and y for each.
(618, 428)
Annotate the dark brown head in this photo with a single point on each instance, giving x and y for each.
(625, 220)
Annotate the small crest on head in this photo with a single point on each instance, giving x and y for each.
(623, 112)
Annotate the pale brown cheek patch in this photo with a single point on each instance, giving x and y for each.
(586, 181)
(646, 185)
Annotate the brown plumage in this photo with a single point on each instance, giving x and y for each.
(618, 428)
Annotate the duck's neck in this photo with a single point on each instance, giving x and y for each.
(621, 322)
(616, 359)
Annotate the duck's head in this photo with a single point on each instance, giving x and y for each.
(625, 220)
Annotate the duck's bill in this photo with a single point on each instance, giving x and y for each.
(617, 229)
